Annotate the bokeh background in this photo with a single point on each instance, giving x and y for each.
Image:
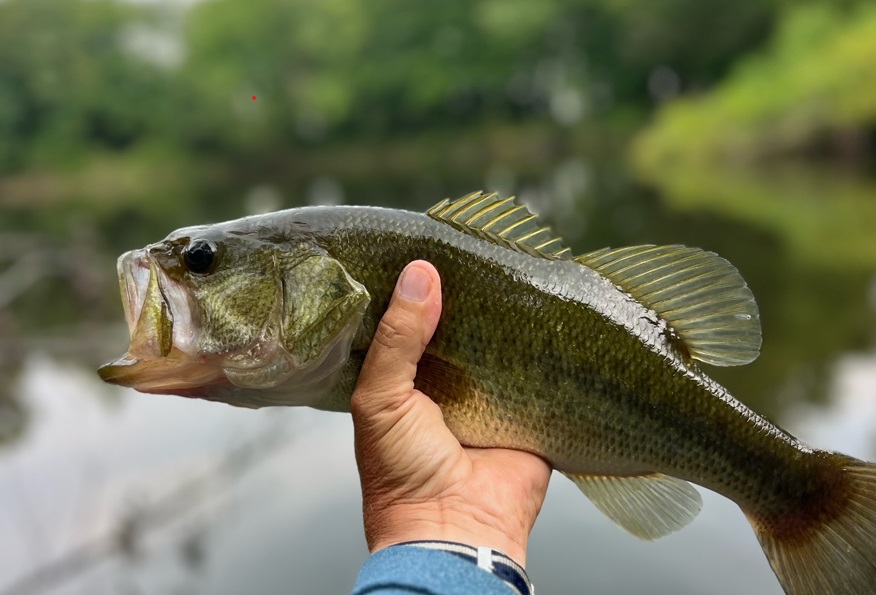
(746, 128)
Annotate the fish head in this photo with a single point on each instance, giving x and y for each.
(227, 315)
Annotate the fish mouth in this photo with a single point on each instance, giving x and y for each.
(174, 374)
(161, 357)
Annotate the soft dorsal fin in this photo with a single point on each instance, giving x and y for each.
(648, 506)
(502, 221)
(701, 296)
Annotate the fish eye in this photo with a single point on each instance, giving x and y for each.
(199, 256)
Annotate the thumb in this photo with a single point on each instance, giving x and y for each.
(387, 377)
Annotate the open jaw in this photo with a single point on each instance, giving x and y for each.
(162, 356)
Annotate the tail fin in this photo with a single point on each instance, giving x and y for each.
(836, 555)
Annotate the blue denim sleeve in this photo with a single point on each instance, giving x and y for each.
(403, 570)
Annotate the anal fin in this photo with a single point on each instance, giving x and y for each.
(648, 506)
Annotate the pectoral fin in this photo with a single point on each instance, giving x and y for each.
(648, 506)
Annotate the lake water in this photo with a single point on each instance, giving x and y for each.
(105, 490)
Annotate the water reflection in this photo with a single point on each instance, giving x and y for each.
(823, 217)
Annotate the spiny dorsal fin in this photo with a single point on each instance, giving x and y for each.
(502, 221)
(701, 296)
(648, 506)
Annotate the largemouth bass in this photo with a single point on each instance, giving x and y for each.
(588, 361)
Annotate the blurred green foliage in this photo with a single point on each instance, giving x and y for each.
(64, 85)
(813, 91)
(154, 84)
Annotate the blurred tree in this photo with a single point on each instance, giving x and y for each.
(68, 85)
(344, 68)
(698, 41)
(812, 92)
(77, 92)
(295, 56)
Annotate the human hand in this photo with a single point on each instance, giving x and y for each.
(418, 482)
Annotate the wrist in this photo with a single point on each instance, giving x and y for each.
(487, 559)
(397, 524)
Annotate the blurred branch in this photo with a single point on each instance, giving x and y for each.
(14, 245)
(22, 274)
(34, 257)
(132, 529)
(88, 342)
